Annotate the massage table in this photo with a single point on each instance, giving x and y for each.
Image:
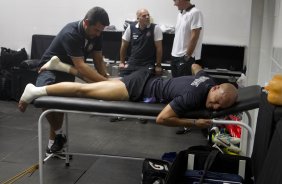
(248, 99)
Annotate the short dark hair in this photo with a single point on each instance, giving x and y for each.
(97, 14)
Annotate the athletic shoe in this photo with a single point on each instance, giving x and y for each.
(143, 121)
(227, 138)
(114, 119)
(58, 155)
(226, 141)
(183, 130)
(214, 130)
(59, 143)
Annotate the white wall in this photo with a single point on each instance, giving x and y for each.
(276, 54)
(226, 22)
(270, 60)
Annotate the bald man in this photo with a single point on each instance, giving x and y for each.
(181, 94)
(145, 42)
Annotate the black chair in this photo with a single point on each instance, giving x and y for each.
(27, 71)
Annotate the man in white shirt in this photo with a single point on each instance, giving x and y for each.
(187, 44)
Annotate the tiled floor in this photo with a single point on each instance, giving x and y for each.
(88, 134)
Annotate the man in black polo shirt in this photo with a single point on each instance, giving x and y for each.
(76, 42)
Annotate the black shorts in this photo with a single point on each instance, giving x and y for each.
(135, 84)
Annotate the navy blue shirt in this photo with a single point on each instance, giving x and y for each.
(184, 93)
(72, 41)
(143, 50)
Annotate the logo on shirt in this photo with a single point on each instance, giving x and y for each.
(134, 36)
(198, 81)
(90, 47)
(148, 34)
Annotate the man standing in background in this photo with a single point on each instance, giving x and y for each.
(187, 44)
(145, 42)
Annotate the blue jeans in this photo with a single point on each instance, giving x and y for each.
(51, 77)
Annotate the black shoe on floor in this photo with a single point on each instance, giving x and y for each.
(114, 119)
(183, 130)
(143, 121)
(58, 155)
(59, 143)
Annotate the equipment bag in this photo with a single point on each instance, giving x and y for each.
(207, 161)
(5, 85)
(11, 58)
(154, 171)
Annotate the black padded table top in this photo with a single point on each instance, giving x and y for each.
(248, 99)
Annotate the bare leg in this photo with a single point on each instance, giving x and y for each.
(56, 121)
(105, 90)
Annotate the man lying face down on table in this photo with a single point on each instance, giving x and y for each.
(181, 94)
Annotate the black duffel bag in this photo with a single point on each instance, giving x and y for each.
(11, 58)
(5, 85)
(206, 164)
(154, 171)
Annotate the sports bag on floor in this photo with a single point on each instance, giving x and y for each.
(154, 171)
(11, 58)
(191, 164)
(5, 85)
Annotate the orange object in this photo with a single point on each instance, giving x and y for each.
(274, 89)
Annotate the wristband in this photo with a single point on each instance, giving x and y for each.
(186, 57)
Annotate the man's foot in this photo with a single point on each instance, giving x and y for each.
(59, 143)
(58, 155)
(183, 130)
(51, 64)
(55, 64)
(30, 93)
(22, 106)
(26, 97)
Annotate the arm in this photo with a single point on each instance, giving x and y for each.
(168, 117)
(159, 55)
(125, 40)
(123, 51)
(193, 41)
(86, 72)
(99, 63)
(196, 68)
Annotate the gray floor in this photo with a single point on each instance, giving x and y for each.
(88, 134)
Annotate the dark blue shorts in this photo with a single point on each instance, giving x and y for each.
(52, 77)
(135, 84)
